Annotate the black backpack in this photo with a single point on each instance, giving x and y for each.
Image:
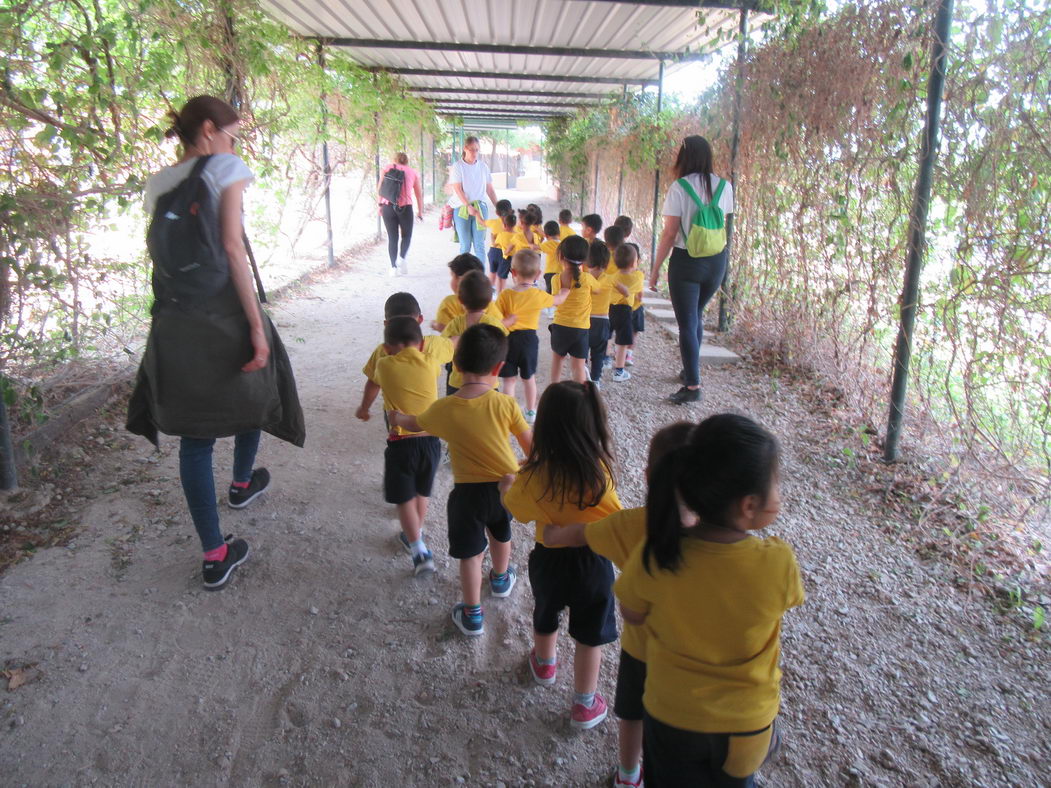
(189, 262)
(391, 185)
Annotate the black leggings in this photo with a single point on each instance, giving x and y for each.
(397, 218)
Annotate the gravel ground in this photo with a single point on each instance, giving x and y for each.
(327, 662)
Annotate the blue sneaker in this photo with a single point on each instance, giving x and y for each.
(469, 625)
(501, 586)
(403, 540)
(422, 562)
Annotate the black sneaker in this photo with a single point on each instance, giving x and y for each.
(684, 395)
(240, 497)
(217, 573)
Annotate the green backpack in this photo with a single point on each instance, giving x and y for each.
(707, 234)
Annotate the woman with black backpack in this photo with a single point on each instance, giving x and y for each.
(397, 184)
(214, 365)
(692, 281)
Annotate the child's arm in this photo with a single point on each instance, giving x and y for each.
(565, 535)
(368, 396)
(622, 289)
(632, 616)
(510, 320)
(559, 299)
(525, 440)
(403, 420)
(439, 327)
(505, 484)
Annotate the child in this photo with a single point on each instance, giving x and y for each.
(522, 304)
(616, 538)
(476, 422)
(569, 329)
(627, 284)
(407, 375)
(590, 227)
(568, 478)
(549, 246)
(565, 216)
(711, 597)
(614, 237)
(509, 240)
(598, 334)
(638, 316)
(526, 223)
(476, 296)
(396, 305)
(496, 226)
(450, 306)
(626, 224)
(538, 220)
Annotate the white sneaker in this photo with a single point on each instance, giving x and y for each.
(403, 267)
(530, 416)
(392, 272)
(620, 375)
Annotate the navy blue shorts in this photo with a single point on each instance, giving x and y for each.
(409, 466)
(631, 680)
(576, 578)
(504, 269)
(496, 256)
(523, 347)
(638, 319)
(620, 324)
(473, 509)
(567, 341)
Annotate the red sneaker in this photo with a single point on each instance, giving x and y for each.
(582, 718)
(620, 782)
(544, 675)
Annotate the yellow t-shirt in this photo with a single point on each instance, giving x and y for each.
(450, 307)
(631, 280)
(616, 536)
(565, 231)
(457, 326)
(525, 305)
(552, 265)
(600, 298)
(477, 431)
(714, 632)
(520, 242)
(638, 301)
(575, 311)
(538, 232)
(369, 369)
(529, 501)
(409, 378)
(495, 226)
(505, 239)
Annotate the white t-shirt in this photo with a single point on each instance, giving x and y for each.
(222, 170)
(474, 178)
(679, 203)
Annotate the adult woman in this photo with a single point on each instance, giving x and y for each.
(692, 281)
(471, 182)
(397, 216)
(214, 365)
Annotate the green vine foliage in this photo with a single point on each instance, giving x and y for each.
(86, 88)
(832, 111)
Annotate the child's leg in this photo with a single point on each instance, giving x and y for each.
(586, 663)
(529, 389)
(410, 519)
(507, 385)
(578, 369)
(546, 645)
(556, 367)
(629, 744)
(621, 354)
(500, 555)
(422, 501)
(471, 580)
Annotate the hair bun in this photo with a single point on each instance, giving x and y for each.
(174, 130)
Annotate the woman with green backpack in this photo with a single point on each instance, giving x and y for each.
(695, 211)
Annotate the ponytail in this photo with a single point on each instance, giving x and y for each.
(574, 250)
(728, 457)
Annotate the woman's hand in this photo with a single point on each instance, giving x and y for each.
(471, 210)
(261, 352)
(419, 215)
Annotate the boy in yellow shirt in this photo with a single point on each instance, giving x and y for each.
(476, 296)
(565, 216)
(614, 237)
(522, 304)
(408, 377)
(638, 315)
(450, 306)
(476, 422)
(630, 279)
(510, 240)
(616, 537)
(549, 247)
(496, 226)
(591, 227)
(598, 333)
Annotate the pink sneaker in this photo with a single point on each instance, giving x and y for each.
(582, 718)
(544, 675)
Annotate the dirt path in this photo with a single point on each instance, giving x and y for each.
(326, 662)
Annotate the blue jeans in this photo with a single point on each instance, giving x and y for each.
(469, 234)
(692, 281)
(198, 482)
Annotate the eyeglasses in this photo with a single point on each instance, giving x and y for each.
(235, 137)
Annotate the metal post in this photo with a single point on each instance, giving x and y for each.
(8, 469)
(325, 164)
(620, 176)
(434, 170)
(234, 91)
(376, 148)
(918, 229)
(423, 172)
(735, 139)
(657, 175)
(594, 195)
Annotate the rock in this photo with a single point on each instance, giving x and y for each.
(83, 667)
(337, 723)
(313, 610)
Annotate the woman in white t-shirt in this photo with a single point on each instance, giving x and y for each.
(214, 365)
(471, 182)
(692, 281)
